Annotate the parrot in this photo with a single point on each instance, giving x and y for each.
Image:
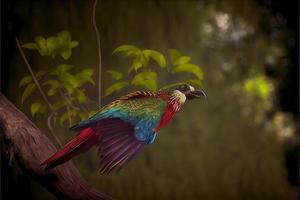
(122, 128)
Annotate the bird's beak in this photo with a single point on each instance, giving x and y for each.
(195, 94)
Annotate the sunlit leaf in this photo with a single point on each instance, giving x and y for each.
(191, 68)
(115, 87)
(30, 88)
(52, 46)
(63, 118)
(60, 69)
(73, 44)
(64, 36)
(146, 79)
(81, 98)
(85, 76)
(41, 45)
(25, 80)
(54, 84)
(175, 54)
(59, 105)
(69, 80)
(182, 60)
(137, 63)
(66, 54)
(155, 55)
(31, 46)
(35, 107)
(258, 86)
(127, 50)
(116, 75)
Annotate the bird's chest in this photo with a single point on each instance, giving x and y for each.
(168, 115)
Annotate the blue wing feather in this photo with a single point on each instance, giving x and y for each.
(143, 120)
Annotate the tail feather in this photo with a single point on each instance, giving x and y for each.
(81, 143)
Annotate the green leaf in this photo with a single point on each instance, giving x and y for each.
(64, 36)
(52, 46)
(41, 45)
(60, 69)
(174, 53)
(146, 79)
(136, 64)
(116, 75)
(191, 68)
(35, 107)
(258, 86)
(81, 98)
(63, 118)
(30, 88)
(182, 60)
(25, 80)
(39, 75)
(116, 87)
(155, 55)
(85, 76)
(66, 54)
(74, 44)
(127, 50)
(54, 84)
(31, 46)
(58, 105)
(70, 79)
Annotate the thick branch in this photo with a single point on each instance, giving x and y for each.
(30, 147)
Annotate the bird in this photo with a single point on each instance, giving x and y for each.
(122, 128)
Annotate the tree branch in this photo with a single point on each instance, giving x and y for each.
(99, 50)
(30, 147)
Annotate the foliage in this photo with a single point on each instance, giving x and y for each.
(142, 72)
(63, 85)
(258, 86)
(55, 45)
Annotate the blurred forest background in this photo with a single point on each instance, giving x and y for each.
(242, 142)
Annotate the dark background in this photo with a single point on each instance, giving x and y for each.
(248, 163)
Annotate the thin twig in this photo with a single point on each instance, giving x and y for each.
(39, 88)
(32, 75)
(51, 118)
(68, 99)
(99, 50)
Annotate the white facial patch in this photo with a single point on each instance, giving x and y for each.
(180, 96)
(192, 88)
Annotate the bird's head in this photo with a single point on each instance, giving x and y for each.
(184, 90)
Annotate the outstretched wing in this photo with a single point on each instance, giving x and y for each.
(124, 127)
(141, 109)
(117, 145)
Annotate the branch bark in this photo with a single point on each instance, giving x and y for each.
(30, 147)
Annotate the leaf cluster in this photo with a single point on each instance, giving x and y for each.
(142, 72)
(61, 44)
(62, 83)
